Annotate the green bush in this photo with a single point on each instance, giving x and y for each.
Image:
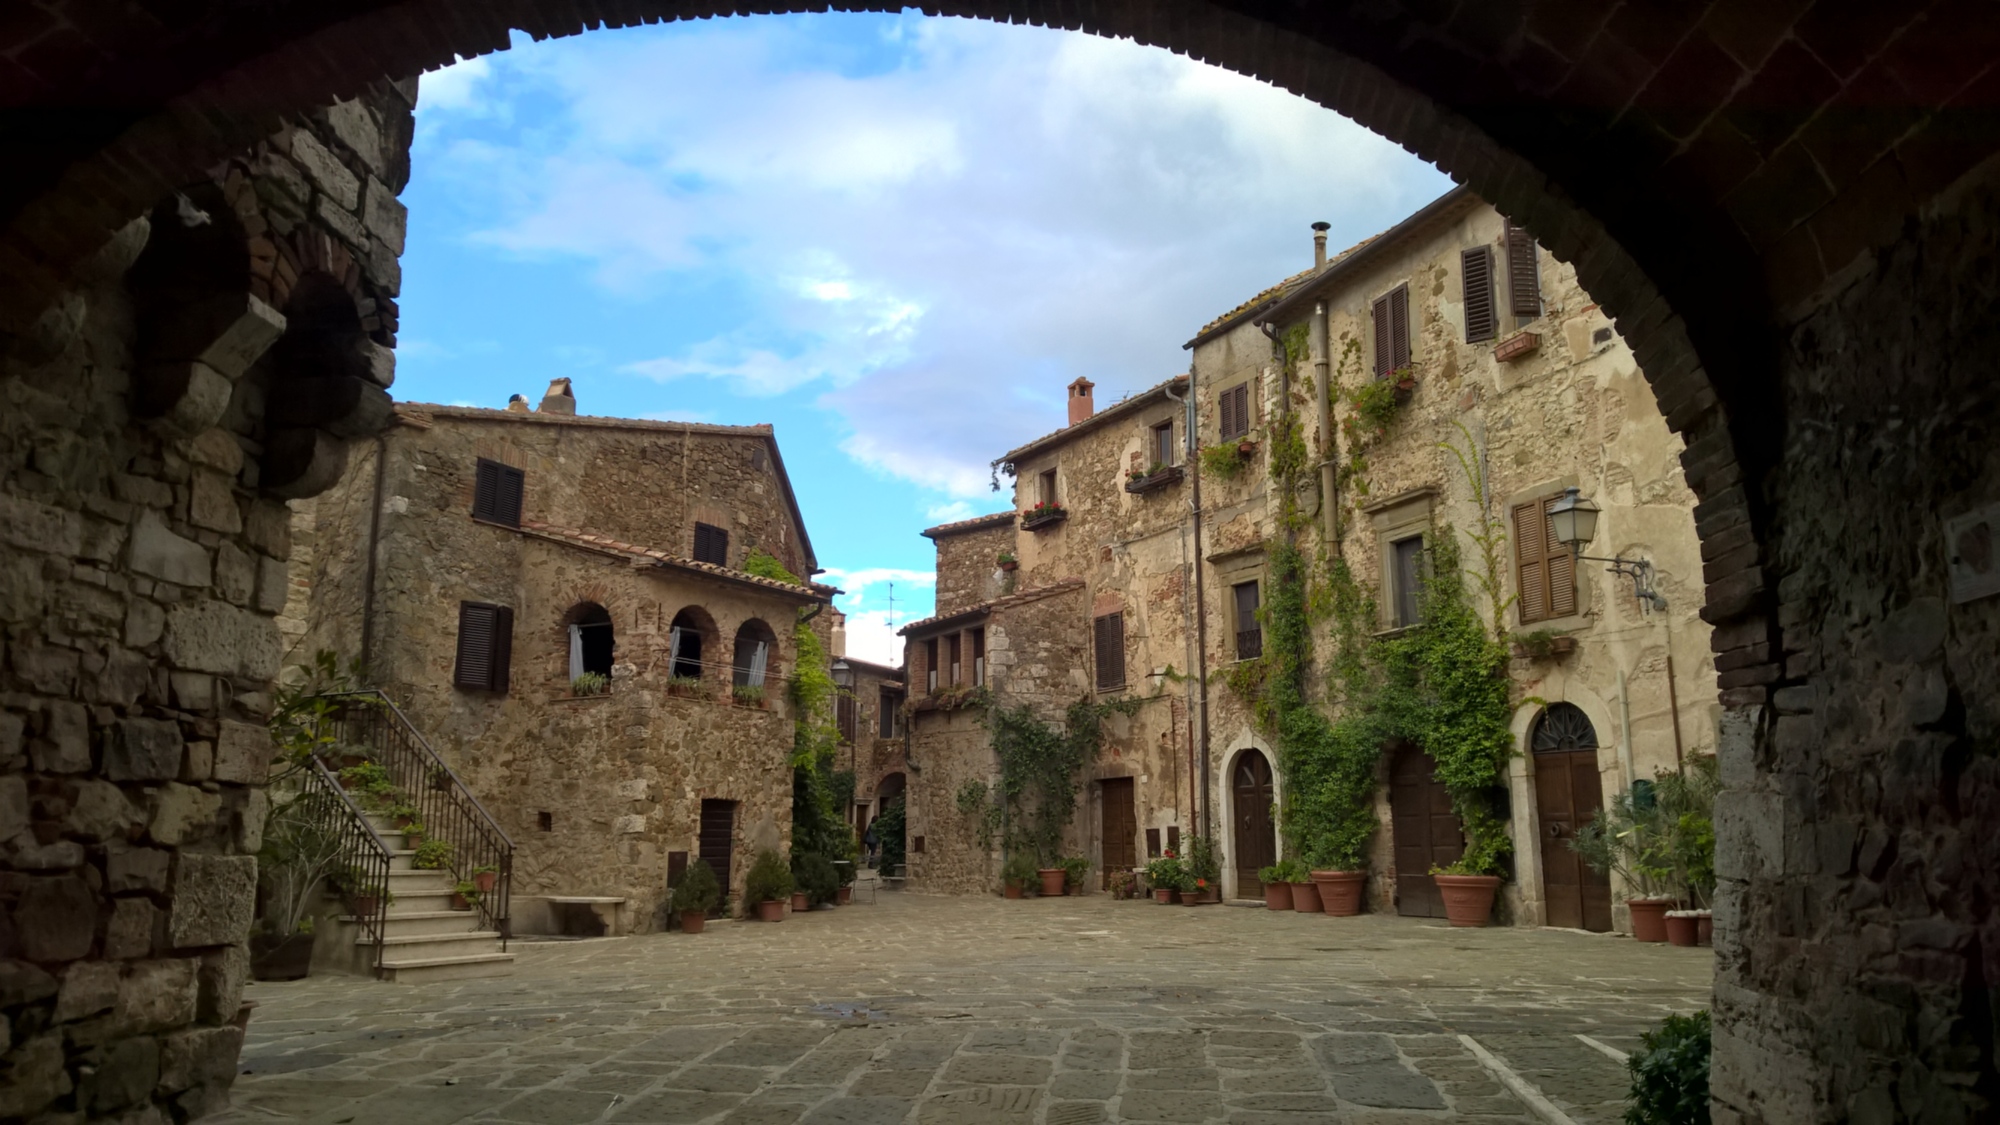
(433, 854)
(770, 880)
(698, 891)
(1020, 871)
(590, 683)
(1284, 871)
(1670, 1074)
(816, 876)
(1169, 873)
(1076, 869)
(890, 837)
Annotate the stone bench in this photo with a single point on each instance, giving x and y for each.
(894, 877)
(585, 915)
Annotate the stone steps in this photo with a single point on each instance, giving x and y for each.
(426, 970)
(423, 938)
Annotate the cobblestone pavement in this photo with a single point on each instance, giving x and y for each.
(933, 1010)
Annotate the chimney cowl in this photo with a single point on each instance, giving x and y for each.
(518, 404)
(1319, 243)
(559, 399)
(1082, 404)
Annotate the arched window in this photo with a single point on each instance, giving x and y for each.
(684, 643)
(590, 640)
(1563, 726)
(754, 641)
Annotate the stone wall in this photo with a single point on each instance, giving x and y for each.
(968, 568)
(151, 425)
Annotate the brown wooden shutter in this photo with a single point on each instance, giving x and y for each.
(496, 492)
(711, 544)
(1243, 418)
(1399, 325)
(503, 649)
(1561, 566)
(475, 646)
(1530, 561)
(512, 481)
(1226, 407)
(844, 716)
(1235, 409)
(1384, 346)
(1476, 269)
(1110, 630)
(1524, 281)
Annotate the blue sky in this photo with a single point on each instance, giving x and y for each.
(895, 238)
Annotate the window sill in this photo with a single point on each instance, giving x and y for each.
(1392, 632)
(581, 698)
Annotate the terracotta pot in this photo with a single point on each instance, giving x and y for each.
(1213, 895)
(1705, 928)
(1682, 929)
(799, 903)
(843, 896)
(1468, 899)
(1649, 918)
(771, 910)
(1340, 891)
(413, 840)
(1191, 898)
(367, 906)
(1163, 895)
(1305, 898)
(1052, 881)
(1277, 896)
(1013, 889)
(284, 959)
(1009, 565)
(460, 902)
(692, 921)
(485, 880)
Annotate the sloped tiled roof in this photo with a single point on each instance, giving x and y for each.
(605, 544)
(1032, 594)
(1110, 413)
(976, 523)
(1448, 207)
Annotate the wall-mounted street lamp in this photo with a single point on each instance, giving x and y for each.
(1573, 520)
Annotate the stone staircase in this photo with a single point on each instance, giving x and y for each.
(424, 939)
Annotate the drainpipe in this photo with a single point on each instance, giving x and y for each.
(1189, 443)
(1625, 730)
(368, 574)
(1200, 611)
(1323, 398)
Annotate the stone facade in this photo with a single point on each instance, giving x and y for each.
(596, 791)
(872, 727)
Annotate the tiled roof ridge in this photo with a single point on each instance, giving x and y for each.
(991, 519)
(1109, 413)
(1021, 597)
(423, 412)
(576, 536)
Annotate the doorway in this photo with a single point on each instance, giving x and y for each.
(1569, 792)
(718, 838)
(1116, 813)
(1255, 842)
(1426, 831)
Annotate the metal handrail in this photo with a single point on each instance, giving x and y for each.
(367, 862)
(369, 721)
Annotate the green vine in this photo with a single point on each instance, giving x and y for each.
(1041, 771)
(1225, 462)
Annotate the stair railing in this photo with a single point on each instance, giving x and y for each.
(361, 874)
(368, 725)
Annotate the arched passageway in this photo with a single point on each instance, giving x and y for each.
(1788, 211)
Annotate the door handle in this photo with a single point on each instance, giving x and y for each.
(1556, 830)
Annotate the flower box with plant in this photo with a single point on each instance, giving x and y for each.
(749, 695)
(1542, 644)
(768, 886)
(589, 684)
(1044, 513)
(1017, 874)
(1157, 477)
(1076, 868)
(433, 855)
(684, 686)
(695, 895)
(1007, 561)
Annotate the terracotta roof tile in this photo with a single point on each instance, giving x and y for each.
(577, 537)
(1022, 597)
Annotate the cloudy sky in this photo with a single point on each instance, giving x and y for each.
(895, 238)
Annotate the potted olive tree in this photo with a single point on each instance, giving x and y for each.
(768, 885)
(696, 895)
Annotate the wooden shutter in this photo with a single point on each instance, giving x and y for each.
(1561, 566)
(512, 481)
(1530, 561)
(485, 646)
(1110, 630)
(1242, 393)
(844, 716)
(1399, 324)
(496, 492)
(1476, 269)
(1384, 351)
(1524, 281)
(711, 544)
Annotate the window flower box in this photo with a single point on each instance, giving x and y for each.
(1139, 483)
(1043, 515)
(1543, 645)
(1516, 346)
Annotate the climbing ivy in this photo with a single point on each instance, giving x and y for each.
(1041, 771)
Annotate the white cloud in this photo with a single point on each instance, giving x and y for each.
(455, 87)
(949, 513)
(871, 637)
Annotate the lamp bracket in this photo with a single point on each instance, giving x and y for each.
(1640, 571)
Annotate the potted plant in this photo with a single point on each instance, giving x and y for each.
(1165, 876)
(1121, 883)
(696, 895)
(1277, 880)
(1053, 879)
(433, 855)
(1342, 875)
(1662, 849)
(686, 686)
(747, 695)
(1076, 869)
(1305, 892)
(1205, 867)
(402, 814)
(814, 880)
(1543, 644)
(1044, 512)
(768, 886)
(484, 877)
(414, 834)
(1017, 874)
(1194, 890)
(590, 683)
(465, 895)
(1008, 561)
(1683, 927)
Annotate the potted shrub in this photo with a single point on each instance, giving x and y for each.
(768, 886)
(815, 881)
(1008, 561)
(1076, 869)
(1662, 849)
(1469, 883)
(1277, 880)
(1670, 1072)
(484, 877)
(433, 855)
(414, 833)
(1122, 884)
(1194, 891)
(1053, 879)
(300, 855)
(696, 895)
(590, 683)
(1341, 878)
(1205, 868)
(465, 895)
(1165, 876)
(1305, 892)
(1017, 874)
(402, 814)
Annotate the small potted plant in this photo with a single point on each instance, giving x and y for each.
(684, 686)
(1305, 892)
(433, 855)
(366, 899)
(748, 695)
(1341, 881)
(1165, 875)
(484, 877)
(414, 833)
(1194, 890)
(1277, 880)
(465, 895)
(814, 881)
(1076, 869)
(1017, 874)
(1121, 883)
(590, 683)
(1204, 864)
(1008, 561)
(1052, 880)
(696, 895)
(768, 886)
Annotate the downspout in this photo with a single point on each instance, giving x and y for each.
(1187, 610)
(1323, 382)
(1200, 612)
(368, 572)
(1625, 730)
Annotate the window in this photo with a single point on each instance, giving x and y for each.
(545, 821)
(1234, 407)
(979, 658)
(891, 704)
(496, 493)
(753, 653)
(1163, 444)
(1392, 331)
(1249, 634)
(590, 640)
(843, 712)
(931, 665)
(485, 646)
(684, 644)
(711, 544)
(1109, 631)
(1407, 557)
(1482, 320)
(952, 646)
(1544, 569)
(1524, 277)
(1045, 487)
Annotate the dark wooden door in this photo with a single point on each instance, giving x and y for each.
(1256, 845)
(718, 838)
(1121, 826)
(1569, 792)
(1426, 831)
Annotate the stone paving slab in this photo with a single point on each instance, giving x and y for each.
(918, 1010)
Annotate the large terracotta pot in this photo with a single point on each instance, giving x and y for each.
(1052, 881)
(1191, 898)
(1163, 895)
(799, 903)
(1305, 898)
(1013, 889)
(692, 921)
(1340, 891)
(771, 910)
(1705, 928)
(1649, 918)
(282, 959)
(1278, 896)
(1468, 899)
(1683, 929)
(485, 881)
(843, 896)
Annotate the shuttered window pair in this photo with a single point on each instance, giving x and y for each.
(1234, 406)
(711, 544)
(1543, 567)
(1109, 632)
(1392, 331)
(496, 493)
(485, 646)
(1524, 285)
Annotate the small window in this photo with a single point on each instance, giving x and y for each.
(1482, 321)
(1544, 569)
(1234, 407)
(684, 660)
(978, 658)
(952, 646)
(1152, 843)
(496, 493)
(590, 641)
(545, 821)
(485, 646)
(891, 704)
(1109, 631)
(1392, 331)
(1045, 487)
(1163, 444)
(931, 665)
(917, 844)
(711, 544)
(1249, 634)
(1407, 560)
(754, 642)
(1524, 275)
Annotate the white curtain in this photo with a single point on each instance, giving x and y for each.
(674, 651)
(757, 658)
(575, 651)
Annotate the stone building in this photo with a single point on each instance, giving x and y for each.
(584, 547)
(868, 712)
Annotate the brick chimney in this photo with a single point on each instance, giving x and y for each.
(559, 400)
(1319, 244)
(1081, 404)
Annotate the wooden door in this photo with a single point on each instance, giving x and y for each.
(718, 838)
(1121, 827)
(1255, 843)
(1427, 832)
(1569, 792)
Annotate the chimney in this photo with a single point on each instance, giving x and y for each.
(1319, 244)
(1081, 404)
(559, 400)
(517, 404)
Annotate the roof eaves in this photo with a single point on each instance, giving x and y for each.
(1449, 205)
(976, 523)
(1105, 416)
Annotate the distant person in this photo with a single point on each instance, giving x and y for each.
(871, 842)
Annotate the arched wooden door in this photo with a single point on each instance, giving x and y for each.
(1255, 843)
(1568, 795)
(1427, 832)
